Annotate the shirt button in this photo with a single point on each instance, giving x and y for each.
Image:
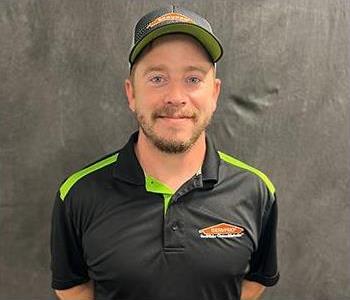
(174, 226)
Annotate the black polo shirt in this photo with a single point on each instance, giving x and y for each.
(137, 239)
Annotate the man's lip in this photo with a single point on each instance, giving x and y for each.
(174, 117)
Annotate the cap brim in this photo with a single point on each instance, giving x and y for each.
(208, 40)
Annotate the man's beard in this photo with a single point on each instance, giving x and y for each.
(171, 145)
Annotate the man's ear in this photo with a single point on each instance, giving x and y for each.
(130, 92)
(216, 92)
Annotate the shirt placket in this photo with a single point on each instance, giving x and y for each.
(174, 222)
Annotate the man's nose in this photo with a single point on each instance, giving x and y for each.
(176, 94)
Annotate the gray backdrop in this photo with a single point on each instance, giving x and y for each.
(284, 109)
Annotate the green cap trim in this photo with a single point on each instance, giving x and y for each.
(153, 185)
(71, 180)
(207, 40)
(233, 161)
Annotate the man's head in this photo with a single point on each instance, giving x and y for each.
(172, 87)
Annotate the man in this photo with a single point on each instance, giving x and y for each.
(167, 216)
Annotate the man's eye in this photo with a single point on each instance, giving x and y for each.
(157, 79)
(193, 80)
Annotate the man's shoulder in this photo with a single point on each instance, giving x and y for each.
(87, 171)
(236, 163)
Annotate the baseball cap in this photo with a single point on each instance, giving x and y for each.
(174, 19)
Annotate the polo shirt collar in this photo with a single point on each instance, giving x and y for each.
(210, 167)
(127, 166)
(129, 169)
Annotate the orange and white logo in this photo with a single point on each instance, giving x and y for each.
(222, 230)
(170, 17)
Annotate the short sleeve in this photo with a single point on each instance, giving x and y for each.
(263, 264)
(67, 263)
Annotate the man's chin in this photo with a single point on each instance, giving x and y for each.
(172, 146)
(175, 140)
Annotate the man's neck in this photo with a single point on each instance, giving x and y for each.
(171, 169)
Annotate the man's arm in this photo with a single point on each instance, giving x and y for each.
(83, 291)
(263, 264)
(251, 290)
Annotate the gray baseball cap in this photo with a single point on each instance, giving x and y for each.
(173, 19)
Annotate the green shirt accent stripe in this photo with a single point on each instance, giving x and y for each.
(71, 180)
(233, 161)
(153, 185)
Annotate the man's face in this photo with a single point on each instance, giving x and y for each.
(173, 92)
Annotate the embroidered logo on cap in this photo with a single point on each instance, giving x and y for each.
(170, 17)
(222, 230)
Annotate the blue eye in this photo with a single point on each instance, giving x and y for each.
(157, 79)
(193, 80)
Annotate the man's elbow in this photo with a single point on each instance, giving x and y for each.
(251, 290)
(83, 291)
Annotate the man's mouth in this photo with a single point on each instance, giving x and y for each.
(175, 117)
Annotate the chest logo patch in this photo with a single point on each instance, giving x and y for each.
(222, 230)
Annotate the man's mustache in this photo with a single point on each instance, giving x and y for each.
(173, 112)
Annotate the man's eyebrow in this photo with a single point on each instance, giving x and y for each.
(158, 68)
(200, 69)
(154, 69)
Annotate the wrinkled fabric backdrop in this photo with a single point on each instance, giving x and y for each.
(284, 108)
